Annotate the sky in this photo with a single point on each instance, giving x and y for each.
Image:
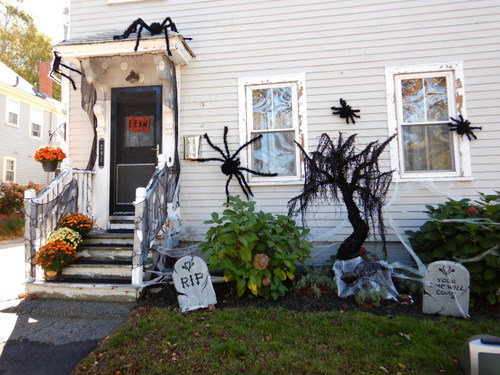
(47, 14)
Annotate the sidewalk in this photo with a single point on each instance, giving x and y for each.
(42, 337)
(39, 337)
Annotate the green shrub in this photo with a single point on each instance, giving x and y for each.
(12, 197)
(257, 250)
(316, 279)
(462, 230)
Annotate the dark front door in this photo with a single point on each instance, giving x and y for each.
(135, 143)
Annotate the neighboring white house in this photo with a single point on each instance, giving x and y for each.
(276, 68)
(27, 117)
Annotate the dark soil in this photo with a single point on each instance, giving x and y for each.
(306, 301)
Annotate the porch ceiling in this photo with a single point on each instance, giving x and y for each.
(103, 45)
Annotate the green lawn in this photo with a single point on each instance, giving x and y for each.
(275, 341)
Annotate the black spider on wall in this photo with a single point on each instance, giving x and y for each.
(345, 111)
(231, 164)
(56, 68)
(462, 127)
(155, 28)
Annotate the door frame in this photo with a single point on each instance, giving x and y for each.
(157, 90)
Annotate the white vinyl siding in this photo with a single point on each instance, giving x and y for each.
(36, 123)
(9, 169)
(12, 112)
(426, 99)
(343, 49)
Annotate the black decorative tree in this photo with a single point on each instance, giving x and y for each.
(339, 173)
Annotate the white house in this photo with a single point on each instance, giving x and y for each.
(276, 68)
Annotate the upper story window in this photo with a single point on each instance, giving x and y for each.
(9, 169)
(274, 107)
(12, 112)
(36, 123)
(424, 100)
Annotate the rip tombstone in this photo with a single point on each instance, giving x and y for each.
(193, 284)
(446, 289)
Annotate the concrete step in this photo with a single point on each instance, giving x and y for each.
(105, 253)
(84, 291)
(99, 271)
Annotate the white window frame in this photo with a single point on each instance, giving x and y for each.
(36, 115)
(8, 112)
(456, 103)
(299, 110)
(6, 161)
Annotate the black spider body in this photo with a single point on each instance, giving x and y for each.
(231, 164)
(345, 111)
(462, 127)
(155, 28)
(56, 68)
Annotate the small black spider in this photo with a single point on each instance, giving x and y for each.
(231, 164)
(345, 111)
(463, 127)
(56, 65)
(155, 28)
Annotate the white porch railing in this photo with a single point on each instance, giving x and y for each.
(153, 206)
(69, 192)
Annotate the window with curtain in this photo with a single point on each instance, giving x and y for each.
(421, 101)
(274, 109)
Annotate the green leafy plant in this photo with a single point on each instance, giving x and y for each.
(316, 279)
(370, 296)
(258, 251)
(465, 230)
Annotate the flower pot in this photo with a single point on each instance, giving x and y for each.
(52, 275)
(49, 166)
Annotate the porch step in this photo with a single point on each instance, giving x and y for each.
(84, 291)
(103, 271)
(99, 271)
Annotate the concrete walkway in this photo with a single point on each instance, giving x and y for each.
(39, 337)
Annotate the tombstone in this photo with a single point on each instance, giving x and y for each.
(193, 284)
(446, 289)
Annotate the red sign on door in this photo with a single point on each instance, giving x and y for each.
(140, 124)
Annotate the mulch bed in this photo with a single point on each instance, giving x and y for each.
(306, 301)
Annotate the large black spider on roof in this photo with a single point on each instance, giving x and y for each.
(154, 28)
(345, 111)
(462, 127)
(231, 163)
(56, 68)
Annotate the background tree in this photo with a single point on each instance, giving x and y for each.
(22, 45)
(339, 174)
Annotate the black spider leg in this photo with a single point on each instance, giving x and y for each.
(55, 69)
(227, 187)
(226, 157)
(132, 29)
(167, 22)
(243, 185)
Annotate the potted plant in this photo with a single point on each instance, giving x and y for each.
(53, 257)
(49, 156)
(67, 235)
(77, 222)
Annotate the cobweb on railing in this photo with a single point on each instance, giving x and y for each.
(46, 214)
(161, 191)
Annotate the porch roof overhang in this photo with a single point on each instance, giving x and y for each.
(103, 45)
